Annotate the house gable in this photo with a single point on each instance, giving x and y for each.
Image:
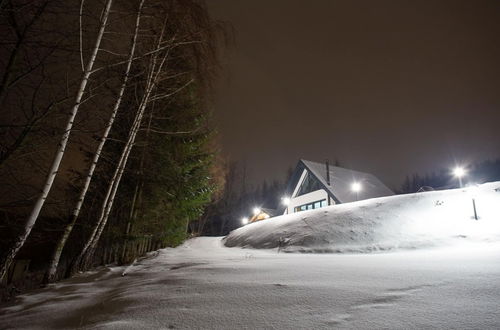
(304, 182)
(341, 180)
(309, 177)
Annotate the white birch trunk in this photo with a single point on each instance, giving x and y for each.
(136, 199)
(11, 254)
(54, 262)
(115, 181)
(110, 194)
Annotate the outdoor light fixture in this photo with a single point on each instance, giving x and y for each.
(459, 172)
(286, 201)
(244, 220)
(356, 187)
(256, 210)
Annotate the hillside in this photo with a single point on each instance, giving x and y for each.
(396, 222)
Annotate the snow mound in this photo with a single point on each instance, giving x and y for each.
(395, 222)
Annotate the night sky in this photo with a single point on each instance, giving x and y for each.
(386, 87)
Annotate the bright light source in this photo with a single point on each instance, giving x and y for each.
(356, 187)
(244, 220)
(256, 210)
(285, 200)
(459, 172)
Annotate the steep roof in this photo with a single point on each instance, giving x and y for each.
(341, 180)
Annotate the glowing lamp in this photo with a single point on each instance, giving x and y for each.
(459, 172)
(356, 187)
(256, 210)
(285, 200)
(244, 220)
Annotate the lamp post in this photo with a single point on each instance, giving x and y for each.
(256, 210)
(459, 172)
(356, 188)
(286, 201)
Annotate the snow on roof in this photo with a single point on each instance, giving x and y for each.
(341, 180)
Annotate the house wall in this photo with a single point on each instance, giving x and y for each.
(305, 199)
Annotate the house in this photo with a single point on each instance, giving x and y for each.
(314, 185)
(262, 214)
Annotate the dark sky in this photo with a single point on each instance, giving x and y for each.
(387, 87)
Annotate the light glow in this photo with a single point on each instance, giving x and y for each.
(286, 200)
(244, 220)
(356, 187)
(256, 210)
(459, 172)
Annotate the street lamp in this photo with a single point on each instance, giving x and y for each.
(356, 187)
(244, 220)
(459, 172)
(256, 210)
(286, 201)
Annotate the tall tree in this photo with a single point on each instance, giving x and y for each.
(157, 61)
(20, 240)
(51, 272)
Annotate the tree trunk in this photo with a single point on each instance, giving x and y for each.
(86, 252)
(136, 199)
(152, 81)
(49, 276)
(12, 252)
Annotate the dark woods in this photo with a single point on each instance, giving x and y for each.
(239, 198)
(107, 147)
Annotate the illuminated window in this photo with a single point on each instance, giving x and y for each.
(311, 206)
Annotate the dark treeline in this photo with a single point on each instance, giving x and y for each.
(107, 148)
(480, 172)
(238, 200)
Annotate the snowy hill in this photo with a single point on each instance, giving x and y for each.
(386, 223)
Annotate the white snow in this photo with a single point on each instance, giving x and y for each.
(385, 223)
(205, 285)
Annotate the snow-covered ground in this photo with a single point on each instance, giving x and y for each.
(205, 285)
(410, 221)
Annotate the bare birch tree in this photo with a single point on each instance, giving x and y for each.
(51, 272)
(190, 31)
(157, 62)
(53, 171)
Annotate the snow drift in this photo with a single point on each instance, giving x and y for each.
(386, 223)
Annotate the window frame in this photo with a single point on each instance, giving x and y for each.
(310, 206)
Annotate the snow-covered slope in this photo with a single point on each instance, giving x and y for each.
(404, 221)
(203, 285)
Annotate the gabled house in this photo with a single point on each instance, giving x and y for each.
(314, 185)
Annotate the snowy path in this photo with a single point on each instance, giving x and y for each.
(203, 285)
